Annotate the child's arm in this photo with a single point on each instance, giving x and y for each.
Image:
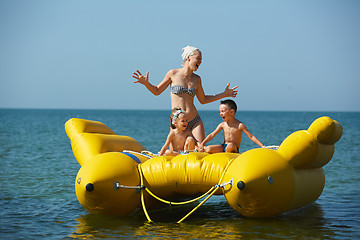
(166, 145)
(156, 90)
(203, 99)
(211, 135)
(251, 136)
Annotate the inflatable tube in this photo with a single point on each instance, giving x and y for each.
(257, 183)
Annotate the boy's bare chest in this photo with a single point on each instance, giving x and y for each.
(232, 131)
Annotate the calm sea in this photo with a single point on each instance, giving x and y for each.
(38, 170)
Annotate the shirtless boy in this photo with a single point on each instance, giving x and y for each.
(232, 128)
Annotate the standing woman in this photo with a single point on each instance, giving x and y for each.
(184, 86)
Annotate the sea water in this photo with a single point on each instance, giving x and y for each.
(38, 171)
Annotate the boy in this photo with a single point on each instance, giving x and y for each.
(233, 130)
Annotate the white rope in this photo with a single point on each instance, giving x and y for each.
(142, 153)
(272, 147)
(185, 152)
(148, 153)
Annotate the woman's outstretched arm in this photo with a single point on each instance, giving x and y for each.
(203, 99)
(144, 80)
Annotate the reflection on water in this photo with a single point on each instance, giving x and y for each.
(214, 220)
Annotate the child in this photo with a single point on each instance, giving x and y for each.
(179, 138)
(233, 130)
(184, 86)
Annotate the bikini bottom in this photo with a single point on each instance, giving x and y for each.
(193, 122)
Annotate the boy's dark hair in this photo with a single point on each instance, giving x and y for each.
(230, 103)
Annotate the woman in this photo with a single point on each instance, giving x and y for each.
(184, 86)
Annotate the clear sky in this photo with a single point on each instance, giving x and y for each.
(283, 54)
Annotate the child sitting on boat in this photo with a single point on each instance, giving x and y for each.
(232, 128)
(180, 138)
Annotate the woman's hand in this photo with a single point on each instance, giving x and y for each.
(230, 92)
(140, 78)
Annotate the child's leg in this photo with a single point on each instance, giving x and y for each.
(189, 143)
(232, 148)
(214, 149)
(169, 152)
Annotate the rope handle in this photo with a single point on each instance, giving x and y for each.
(142, 195)
(178, 203)
(211, 192)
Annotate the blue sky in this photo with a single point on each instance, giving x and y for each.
(284, 55)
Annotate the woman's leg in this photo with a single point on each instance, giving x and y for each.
(198, 131)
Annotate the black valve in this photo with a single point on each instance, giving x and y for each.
(240, 185)
(89, 187)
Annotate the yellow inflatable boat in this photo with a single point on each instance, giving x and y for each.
(117, 177)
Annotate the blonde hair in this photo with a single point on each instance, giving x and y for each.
(176, 111)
